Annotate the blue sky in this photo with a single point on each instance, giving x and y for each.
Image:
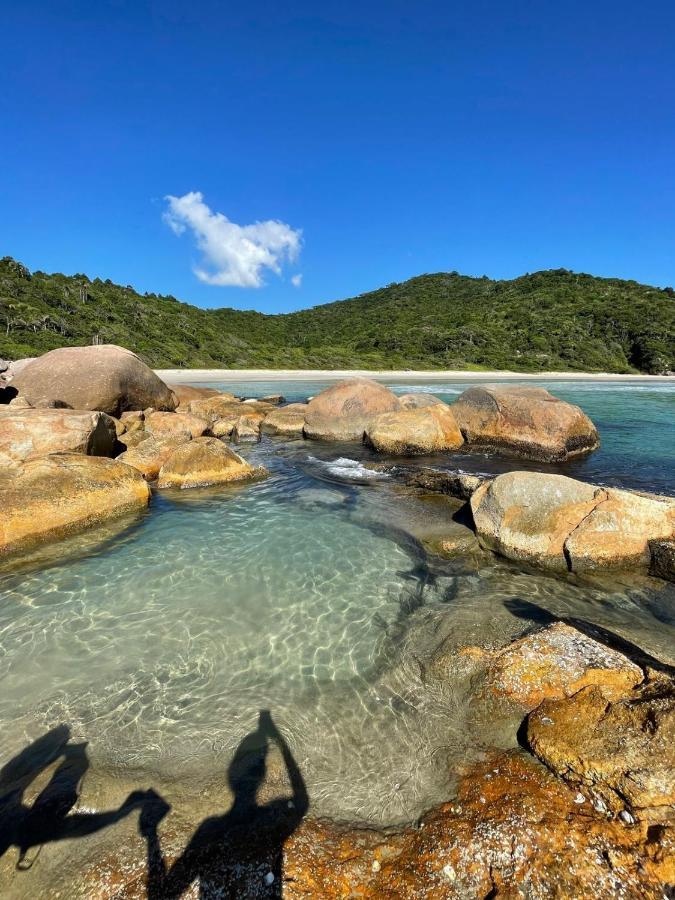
(389, 138)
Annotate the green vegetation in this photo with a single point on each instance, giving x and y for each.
(554, 320)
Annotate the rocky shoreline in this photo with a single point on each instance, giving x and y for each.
(585, 807)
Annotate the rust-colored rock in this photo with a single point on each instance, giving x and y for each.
(214, 408)
(622, 752)
(104, 377)
(525, 421)
(344, 411)
(175, 425)
(149, 455)
(246, 429)
(556, 662)
(53, 496)
(286, 421)
(28, 433)
(205, 461)
(427, 429)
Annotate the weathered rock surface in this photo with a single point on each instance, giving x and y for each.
(427, 429)
(418, 401)
(105, 377)
(212, 409)
(175, 425)
(149, 455)
(455, 484)
(247, 429)
(205, 461)
(525, 421)
(514, 831)
(344, 411)
(274, 399)
(663, 559)
(564, 524)
(27, 433)
(287, 420)
(47, 498)
(622, 752)
(185, 394)
(556, 662)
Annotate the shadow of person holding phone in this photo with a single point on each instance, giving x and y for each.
(240, 853)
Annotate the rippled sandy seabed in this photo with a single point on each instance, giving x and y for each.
(310, 594)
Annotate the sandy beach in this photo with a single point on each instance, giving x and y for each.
(191, 376)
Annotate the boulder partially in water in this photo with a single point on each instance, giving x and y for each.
(568, 525)
(28, 433)
(48, 498)
(203, 462)
(149, 455)
(427, 429)
(663, 559)
(622, 751)
(287, 420)
(524, 421)
(556, 662)
(344, 411)
(102, 377)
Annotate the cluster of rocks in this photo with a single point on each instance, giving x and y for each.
(87, 428)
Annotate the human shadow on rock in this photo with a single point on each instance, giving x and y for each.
(49, 818)
(240, 853)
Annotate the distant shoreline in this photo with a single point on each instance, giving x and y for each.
(185, 376)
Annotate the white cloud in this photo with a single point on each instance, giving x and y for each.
(233, 255)
(296, 280)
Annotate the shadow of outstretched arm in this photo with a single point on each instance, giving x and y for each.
(299, 790)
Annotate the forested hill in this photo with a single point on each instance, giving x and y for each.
(553, 320)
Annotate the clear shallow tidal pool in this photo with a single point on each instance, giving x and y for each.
(309, 594)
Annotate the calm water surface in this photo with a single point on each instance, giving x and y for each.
(309, 594)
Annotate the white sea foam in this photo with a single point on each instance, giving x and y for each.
(348, 469)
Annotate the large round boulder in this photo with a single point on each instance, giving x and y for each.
(418, 400)
(27, 433)
(175, 425)
(525, 421)
(426, 429)
(149, 455)
(205, 461)
(344, 411)
(564, 524)
(51, 497)
(104, 377)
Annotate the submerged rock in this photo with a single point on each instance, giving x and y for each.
(48, 498)
(564, 524)
(205, 461)
(622, 751)
(427, 429)
(556, 662)
(104, 377)
(287, 420)
(344, 411)
(525, 421)
(27, 433)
